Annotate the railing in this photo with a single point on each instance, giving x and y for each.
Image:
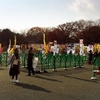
(49, 61)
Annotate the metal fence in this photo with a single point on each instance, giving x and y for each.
(49, 61)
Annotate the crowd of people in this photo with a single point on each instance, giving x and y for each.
(14, 61)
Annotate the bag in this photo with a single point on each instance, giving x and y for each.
(11, 71)
(15, 62)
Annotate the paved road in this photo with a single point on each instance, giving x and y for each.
(71, 84)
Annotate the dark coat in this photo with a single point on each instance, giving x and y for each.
(30, 59)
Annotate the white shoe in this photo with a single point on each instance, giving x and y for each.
(96, 71)
(93, 78)
(17, 81)
(65, 68)
(12, 80)
(74, 67)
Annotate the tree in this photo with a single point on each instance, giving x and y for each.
(91, 35)
(5, 35)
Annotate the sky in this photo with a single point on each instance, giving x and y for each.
(21, 15)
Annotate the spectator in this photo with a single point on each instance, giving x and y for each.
(95, 53)
(90, 57)
(30, 62)
(14, 63)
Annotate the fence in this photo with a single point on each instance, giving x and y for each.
(49, 61)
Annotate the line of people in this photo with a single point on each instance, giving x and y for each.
(14, 63)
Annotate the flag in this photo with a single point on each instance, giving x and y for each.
(45, 46)
(9, 47)
(14, 42)
(14, 46)
(0, 45)
(0, 48)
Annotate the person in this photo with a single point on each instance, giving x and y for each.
(30, 62)
(96, 66)
(95, 54)
(90, 57)
(14, 63)
(64, 50)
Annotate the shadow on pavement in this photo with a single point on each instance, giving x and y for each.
(80, 79)
(32, 87)
(2, 69)
(47, 79)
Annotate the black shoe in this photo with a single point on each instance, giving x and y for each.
(37, 72)
(45, 71)
(28, 75)
(33, 73)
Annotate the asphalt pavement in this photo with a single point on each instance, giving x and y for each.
(69, 84)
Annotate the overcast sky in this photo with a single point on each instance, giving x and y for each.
(18, 15)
